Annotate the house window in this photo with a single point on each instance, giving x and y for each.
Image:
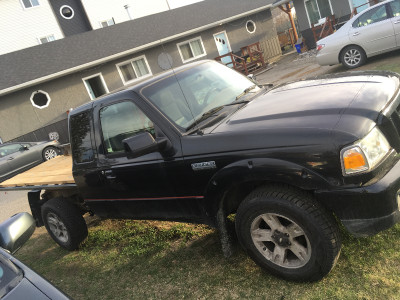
(191, 50)
(107, 23)
(134, 69)
(67, 12)
(251, 26)
(40, 99)
(317, 9)
(30, 3)
(95, 85)
(46, 39)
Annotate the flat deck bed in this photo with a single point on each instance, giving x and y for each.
(52, 174)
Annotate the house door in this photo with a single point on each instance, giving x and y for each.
(221, 40)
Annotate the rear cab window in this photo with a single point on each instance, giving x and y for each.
(81, 137)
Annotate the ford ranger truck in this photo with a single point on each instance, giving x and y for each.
(202, 142)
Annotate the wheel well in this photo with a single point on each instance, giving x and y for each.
(341, 51)
(234, 197)
(68, 195)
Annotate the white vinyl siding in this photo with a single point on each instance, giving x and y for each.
(133, 70)
(191, 49)
(20, 28)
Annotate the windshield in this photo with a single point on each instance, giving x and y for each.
(10, 276)
(184, 98)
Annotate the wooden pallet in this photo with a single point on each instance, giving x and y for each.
(53, 172)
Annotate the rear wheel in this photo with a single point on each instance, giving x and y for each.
(64, 223)
(288, 233)
(353, 57)
(49, 153)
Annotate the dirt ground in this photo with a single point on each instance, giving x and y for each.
(293, 66)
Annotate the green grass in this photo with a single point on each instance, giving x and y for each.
(165, 260)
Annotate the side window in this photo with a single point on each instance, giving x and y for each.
(9, 149)
(82, 150)
(372, 16)
(120, 121)
(395, 6)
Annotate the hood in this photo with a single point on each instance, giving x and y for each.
(350, 103)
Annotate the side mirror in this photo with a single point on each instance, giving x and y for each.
(140, 144)
(16, 231)
(24, 148)
(252, 77)
(144, 143)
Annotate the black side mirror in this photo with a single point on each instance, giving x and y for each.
(16, 231)
(23, 148)
(140, 144)
(144, 143)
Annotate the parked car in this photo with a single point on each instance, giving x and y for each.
(17, 281)
(374, 31)
(17, 157)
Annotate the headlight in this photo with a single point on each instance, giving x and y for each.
(366, 154)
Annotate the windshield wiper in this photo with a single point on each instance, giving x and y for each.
(246, 91)
(204, 116)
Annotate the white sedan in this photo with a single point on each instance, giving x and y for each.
(374, 31)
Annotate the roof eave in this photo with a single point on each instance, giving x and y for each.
(127, 52)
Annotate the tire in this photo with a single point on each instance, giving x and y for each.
(352, 57)
(64, 223)
(49, 153)
(286, 232)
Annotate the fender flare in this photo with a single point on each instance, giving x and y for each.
(259, 169)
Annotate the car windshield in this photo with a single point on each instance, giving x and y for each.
(186, 96)
(10, 276)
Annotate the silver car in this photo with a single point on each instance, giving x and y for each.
(17, 157)
(374, 31)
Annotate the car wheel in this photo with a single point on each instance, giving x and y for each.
(288, 233)
(64, 223)
(49, 153)
(352, 57)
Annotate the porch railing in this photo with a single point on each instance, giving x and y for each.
(248, 59)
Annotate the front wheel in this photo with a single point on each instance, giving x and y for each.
(288, 233)
(64, 223)
(353, 57)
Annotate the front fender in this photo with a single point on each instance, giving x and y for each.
(259, 170)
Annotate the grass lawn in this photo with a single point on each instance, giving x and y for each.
(124, 259)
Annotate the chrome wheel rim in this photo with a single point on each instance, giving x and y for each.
(57, 227)
(50, 153)
(352, 57)
(280, 240)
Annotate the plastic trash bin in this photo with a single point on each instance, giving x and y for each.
(299, 45)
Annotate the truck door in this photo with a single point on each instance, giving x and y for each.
(131, 187)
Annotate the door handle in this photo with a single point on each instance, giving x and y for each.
(397, 22)
(109, 174)
(356, 33)
(10, 158)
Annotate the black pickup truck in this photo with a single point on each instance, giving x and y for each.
(202, 142)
